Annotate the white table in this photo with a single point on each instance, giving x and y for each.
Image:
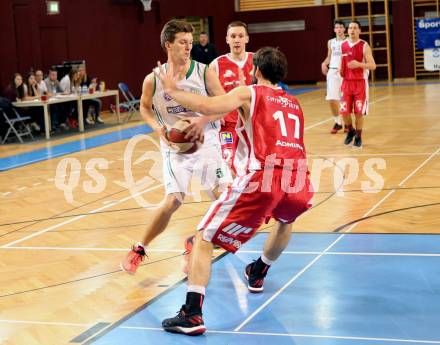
(96, 94)
(68, 98)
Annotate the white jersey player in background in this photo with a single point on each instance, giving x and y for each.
(330, 68)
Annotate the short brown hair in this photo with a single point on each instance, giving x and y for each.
(356, 22)
(172, 28)
(238, 23)
(272, 64)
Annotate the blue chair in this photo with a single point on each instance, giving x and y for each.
(131, 103)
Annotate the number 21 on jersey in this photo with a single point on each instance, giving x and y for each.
(280, 117)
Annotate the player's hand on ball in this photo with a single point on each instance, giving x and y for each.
(195, 131)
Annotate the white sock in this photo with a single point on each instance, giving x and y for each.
(338, 120)
(197, 288)
(139, 244)
(266, 260)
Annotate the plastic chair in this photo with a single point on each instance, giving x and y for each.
(131, 103)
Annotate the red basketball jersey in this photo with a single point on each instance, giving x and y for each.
(353, 51)
(230, 78)
(275, 129)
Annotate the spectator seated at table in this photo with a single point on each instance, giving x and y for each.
(70, 84)
(16, 92)
(90, 83)
(58, 112)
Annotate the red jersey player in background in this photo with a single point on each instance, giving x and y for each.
(233, 69)
(275, 182)
(357, 60)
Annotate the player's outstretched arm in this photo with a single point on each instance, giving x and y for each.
(214, 88)
(205, 105)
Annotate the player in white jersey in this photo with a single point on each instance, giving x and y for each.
(160, 112)
(330, 68)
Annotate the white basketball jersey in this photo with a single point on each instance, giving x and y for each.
(168, 111)
(335, 46)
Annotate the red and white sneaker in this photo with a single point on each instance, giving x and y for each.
(255, 281)
(189, 243)
(133, 259)
(336, 128)
(185, 322)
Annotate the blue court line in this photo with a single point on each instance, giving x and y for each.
(302, 90)
(26, 158)
(356, 299)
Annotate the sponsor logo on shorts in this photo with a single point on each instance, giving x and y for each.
(343, 106)
(229, 240)
(219, 173)
(236, 229)
(359, 104)
(226, 138)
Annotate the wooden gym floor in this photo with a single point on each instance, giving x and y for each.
(60, 260)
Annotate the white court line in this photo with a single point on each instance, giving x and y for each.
(78, 217)
(157, 250)
(82, 216)
(372, 154)
(47, 323)
(419, 167)
(301, 335)
(300, 273)
(379, 100)
(331, 118)
(318, 123)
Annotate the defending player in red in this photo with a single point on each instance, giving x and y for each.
(357, 61)
(233, 69)
(274, 184)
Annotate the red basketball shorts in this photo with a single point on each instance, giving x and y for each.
(354, 97)
(253, 199)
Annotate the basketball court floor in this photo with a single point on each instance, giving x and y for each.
(361, 268)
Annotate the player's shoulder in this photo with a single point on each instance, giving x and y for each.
(250, 57)
(150, 78)
(221, 58)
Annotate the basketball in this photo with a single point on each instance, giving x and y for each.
(176, 137)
